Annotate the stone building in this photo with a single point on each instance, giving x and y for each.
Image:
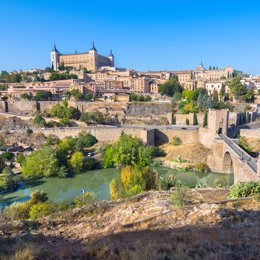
(90, 60)
(212, 74)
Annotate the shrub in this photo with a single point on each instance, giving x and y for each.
(7, 156)
(244, 189)
(39, 120)
(41, 209)
(134, 191)
(179, 197)
(17, 211)
(85, 199)
(20, 158)
(202, 167)
(126, 176)
(168, 183)
(114, 190)
(176, 140)
(38, 197)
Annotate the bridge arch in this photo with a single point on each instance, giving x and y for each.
(228, 163)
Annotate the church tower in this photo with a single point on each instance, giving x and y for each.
(55, 58)
(93, 58)
(112, 58)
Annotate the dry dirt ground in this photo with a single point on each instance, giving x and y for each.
(148, 226)
(186, 151)
(254, 144)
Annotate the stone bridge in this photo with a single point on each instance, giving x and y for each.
(228, 157)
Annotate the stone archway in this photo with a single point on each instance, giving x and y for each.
(228, 163)
(220, 131)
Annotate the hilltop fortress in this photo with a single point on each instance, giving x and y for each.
(90, 60)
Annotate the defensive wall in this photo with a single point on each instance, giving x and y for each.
(111, 134)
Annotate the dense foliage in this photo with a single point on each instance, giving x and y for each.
(134, 179)
(92, 117)
(140, 98)
(64, 111)
(39, 206)
(128, 150)
(170, 87)
(61, 159)
(239, 90)
(244, 189)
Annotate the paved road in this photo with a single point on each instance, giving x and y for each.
(252, 162)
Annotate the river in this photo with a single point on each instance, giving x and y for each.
(97, 181)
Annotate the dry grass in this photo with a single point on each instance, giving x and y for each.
(228, 230)
(186, 151)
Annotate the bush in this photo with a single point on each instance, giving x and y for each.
(176, 140)
(114, 190)
(20, 158)
(17, 211)
(85, 199)
(41, 209)
(202, 167)
(244, 189)
(7, 156)
(38, 197)
(179, 197)
(39, 120)
(8, 182)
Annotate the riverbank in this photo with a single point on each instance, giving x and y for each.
(147, 226)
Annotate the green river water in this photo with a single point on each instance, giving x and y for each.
(97, 181)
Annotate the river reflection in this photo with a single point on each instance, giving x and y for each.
(97, 181)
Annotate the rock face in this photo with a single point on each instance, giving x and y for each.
(148, 226)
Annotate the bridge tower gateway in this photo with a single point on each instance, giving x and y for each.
(218, 121)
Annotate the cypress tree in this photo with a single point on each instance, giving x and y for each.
(195, 119)
(205, 120)
(174, 120)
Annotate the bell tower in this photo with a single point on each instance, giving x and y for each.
(55, 58)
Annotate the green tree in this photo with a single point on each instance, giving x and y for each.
(195, 119)
(205, 120)
(77, 162)
(89, 96)
(43, 95)
(108, 157)
(92, 117)
(215, 96)
(170, 87)
(238, 89)
(41, 163)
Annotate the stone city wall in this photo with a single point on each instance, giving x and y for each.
(111, 134)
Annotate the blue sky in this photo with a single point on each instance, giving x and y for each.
(145, 35)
